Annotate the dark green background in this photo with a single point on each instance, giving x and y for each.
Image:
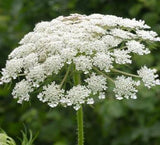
(111, 122)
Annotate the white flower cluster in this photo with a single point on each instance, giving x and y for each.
(97, 83)
(83, 63)
(121, 56)
(52, 94)
(22, 90)
(76, 96)
(148, 76)
(137, 47)
(125, 87)
(88, 44)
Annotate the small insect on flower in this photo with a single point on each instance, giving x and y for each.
(94, 46)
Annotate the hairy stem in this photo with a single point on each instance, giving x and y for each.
(80, 126)
(77, 80)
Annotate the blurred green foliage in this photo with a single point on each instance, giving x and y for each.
(111, 122)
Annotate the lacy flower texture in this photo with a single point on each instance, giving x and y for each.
(93, 46)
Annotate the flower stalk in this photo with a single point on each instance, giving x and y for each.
(125, 73)
(80, 126)
(98, 71)
(77, 81)
(65, 77)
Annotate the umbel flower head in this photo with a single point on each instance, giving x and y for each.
(92, 46)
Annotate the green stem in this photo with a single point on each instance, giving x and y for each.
(19, 75)
(77, 80)
(65, 77)
(98, 71)
(125, 73)
(80, 126)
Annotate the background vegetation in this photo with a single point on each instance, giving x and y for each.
(110, 122)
